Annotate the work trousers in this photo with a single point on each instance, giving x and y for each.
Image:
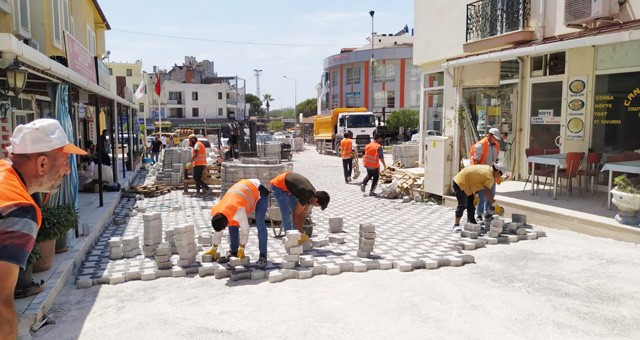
(155, 155)
(234, 231)
(287, 203)
(465, 202)
(373, 174)
(347, 166)
(483, 202)
(197, 177)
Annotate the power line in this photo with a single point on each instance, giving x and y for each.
(231, 42)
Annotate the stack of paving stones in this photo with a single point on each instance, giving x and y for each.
(270, 150)
(406, 154)
(234, 171)
(172, 171)
(163, 256)
(367, 240)
(184, 239)
(152, 232)
(116, 250)
(497, 230)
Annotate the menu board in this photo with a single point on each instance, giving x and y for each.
(576, 99)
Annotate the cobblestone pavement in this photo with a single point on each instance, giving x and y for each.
(408, 236)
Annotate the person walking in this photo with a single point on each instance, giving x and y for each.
(156, 146)
(243, 198)
(106, 148)
(199, 163)
(295, 196)
(373, 155)
(39, 161)
(346, 153)
(485, 152)
(473, 179)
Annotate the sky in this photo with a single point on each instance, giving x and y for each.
(280, 37)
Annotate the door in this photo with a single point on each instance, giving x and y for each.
(545, 114)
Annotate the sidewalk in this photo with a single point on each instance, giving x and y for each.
(33, 309)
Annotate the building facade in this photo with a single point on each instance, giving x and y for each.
(392, 84)
(549, 74)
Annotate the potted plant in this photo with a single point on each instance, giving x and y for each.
(66, 218)
(626, 196)
(25, 285)
(56, 221)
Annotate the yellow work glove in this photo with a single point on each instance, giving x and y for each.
(213, 252)
(498, 209)
(188, 165)
(499, 180)
(475, 200)
(241, 252)
(304, 238)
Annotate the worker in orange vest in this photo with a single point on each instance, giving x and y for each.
(485, 152)
(199, 163)
(39, 153)
(346, 153)
(295, 196)
(243, 198)
(373, 155)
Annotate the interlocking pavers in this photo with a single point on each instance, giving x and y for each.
(410, 236)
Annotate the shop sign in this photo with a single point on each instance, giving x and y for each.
(576, 108)
(79, 58)
(545, 117)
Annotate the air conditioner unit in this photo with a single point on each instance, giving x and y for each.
(578, 12)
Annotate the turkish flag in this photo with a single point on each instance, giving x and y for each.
(157, 86)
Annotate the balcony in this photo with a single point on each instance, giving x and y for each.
(495, 23)
(174, 102)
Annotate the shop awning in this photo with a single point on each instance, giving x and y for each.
(11, 47)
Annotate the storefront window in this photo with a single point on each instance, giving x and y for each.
(616, 112)
(546, 112)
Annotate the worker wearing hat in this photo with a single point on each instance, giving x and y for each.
(39, 154)
(485, 152)
(472, 179)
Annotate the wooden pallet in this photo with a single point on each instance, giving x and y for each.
(211, 176)
(152, 190)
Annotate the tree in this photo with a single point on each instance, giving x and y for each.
(275, 125)
(266, 98)
(309, 107)
(403, 118)
(254, 104)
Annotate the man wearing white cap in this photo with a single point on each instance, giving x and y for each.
(39, 161)
(485, 152)
(472, 179)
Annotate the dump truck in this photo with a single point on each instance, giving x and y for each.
(329, 130)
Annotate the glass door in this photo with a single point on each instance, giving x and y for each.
(545, 115)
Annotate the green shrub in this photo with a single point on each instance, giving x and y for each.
(56, 221)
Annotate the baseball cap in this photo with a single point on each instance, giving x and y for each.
(495, 132)
(500, 167)
(192, 136)
(41, 135)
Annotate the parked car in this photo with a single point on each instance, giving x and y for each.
(416, 137)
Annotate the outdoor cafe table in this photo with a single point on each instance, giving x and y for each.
(632, 167)
(555, 159)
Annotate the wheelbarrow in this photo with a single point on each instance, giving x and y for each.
(274, 216)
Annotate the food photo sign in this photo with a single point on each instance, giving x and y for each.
(575, 108)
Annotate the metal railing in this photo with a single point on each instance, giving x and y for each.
(488, 18)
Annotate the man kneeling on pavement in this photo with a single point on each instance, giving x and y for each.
(243, 198)
(473, 179)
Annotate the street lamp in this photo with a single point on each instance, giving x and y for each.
(371, 62)
(16, 81)
(295, 97)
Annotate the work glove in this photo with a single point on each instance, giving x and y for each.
(475, 200)
(304, 238)
(497, 209)
(213, 252)
(241, 252)
(499, 180)
(188, 165)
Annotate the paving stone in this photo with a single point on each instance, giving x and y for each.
(469, 234)
(319, 243)
(336, 224)
(178, 272)
(364, 254)
(296, 250)
(332, 269)
(240, 273)
(359, 267)
(319, 270)
(234, 261)
(258, 274)
(289, 265)
(385, 264)
(336, 239)
(221, 273)
(532, 236)
(306, 261)
(276, 276)
(293, 235)
(206, 271)
(116, 279)
(84, 282)
(403, 266)
(541, 233)
(489, 240)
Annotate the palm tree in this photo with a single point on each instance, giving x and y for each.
(267, 98)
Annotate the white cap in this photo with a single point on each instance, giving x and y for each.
(41, 135)
(495, 132)
(500, 167)
(192, 136)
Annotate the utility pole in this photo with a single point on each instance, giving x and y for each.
(257, 73)
(371, 64)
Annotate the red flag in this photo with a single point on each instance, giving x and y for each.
(157, 86)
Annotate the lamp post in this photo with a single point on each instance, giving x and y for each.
(371, 62)
(16, 81)
(295, 97)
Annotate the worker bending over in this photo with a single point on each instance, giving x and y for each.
(473, 179)
(243, 198)
(295, 196)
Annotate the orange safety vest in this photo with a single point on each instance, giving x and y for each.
(346, 147)
(485, 150)
(371, 157)
(243, 194)
(279, 183)
(13, 190)
(201, 155)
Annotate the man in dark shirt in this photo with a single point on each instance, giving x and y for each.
(156, 145)
(40, 160)
(295, 196)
